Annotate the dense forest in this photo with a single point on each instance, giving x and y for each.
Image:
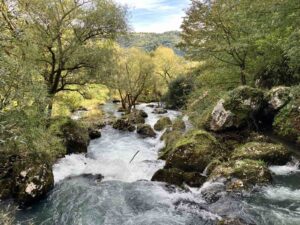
(231, 76)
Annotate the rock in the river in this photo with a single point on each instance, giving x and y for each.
(242, 173)
(272, 154)
(33, 182)
(179, 177)
(94, 133)
(179, 124)
(136, 116)
(238, 109)
(287, 121)
(170, 138)
(76, 137)
(278, 97)
(145, 131)
(26, 178)
(160, 111)
(124, 125)
(163, 123)
(194, 151)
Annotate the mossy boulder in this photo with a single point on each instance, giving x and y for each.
(170, 137)
(287, 121)
(26, 178)
(179, 125)
(243, 173)
(271, 154)
(278, 97)
(75, 136)
(146, 131)
(238, 109)
(163, 123)
(123, 124)
(194, 151)
(179, 177)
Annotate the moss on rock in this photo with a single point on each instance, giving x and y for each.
(270, 153)
(287, 121)
(179, 177)
(248, 172)
(170, 137)
(237, 109)
(163, 123)
(179, 125)
(194, 151)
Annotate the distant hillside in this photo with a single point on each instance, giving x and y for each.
(149, 41)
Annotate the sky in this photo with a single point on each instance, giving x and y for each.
(155, 15)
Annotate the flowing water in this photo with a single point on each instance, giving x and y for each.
(127, 196)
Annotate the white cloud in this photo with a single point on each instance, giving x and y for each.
(144, 4)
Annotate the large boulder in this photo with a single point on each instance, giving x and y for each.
(179, 177)
(271, 154)
(26, 178)
(145, 131)
(163, 123)
(278, 97)
(287, 121)
(194, 151)
(75, 136)
(236, 110)
(242, 174)
(170, 137)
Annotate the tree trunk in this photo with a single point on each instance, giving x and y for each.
(243, 76)
(50, 107)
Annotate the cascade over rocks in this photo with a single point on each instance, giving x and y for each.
(145, 131)
(236, 110)
(163, 123)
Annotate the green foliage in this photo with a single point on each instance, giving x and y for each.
(150, 41)
(179, 90)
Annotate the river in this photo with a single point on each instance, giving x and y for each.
(126, 196)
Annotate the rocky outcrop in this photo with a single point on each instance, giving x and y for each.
(145, 131)
(278, 97)
(25, 178)
(179, 177)
(271, 154)
(163, 123)
(236, 110)
(75, 137)
(287, 120)
(123, 124)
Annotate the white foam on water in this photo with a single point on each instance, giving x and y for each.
(290, 168)
(281, 193)
(111, 154)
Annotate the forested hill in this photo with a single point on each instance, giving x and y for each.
(149, 41)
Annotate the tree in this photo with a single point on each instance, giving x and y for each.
(217, 29)
(64, 35)
(131, 75)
